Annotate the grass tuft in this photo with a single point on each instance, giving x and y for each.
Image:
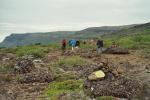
(57, 88)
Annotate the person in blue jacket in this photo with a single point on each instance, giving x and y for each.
(73, 43)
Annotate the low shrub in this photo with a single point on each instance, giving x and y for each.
(57, 88)
(105, 98)
(71, 60)
(57, 67)
(36, 51)
(5, 69)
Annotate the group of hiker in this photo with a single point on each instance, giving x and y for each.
(73, 43)
(76, 44)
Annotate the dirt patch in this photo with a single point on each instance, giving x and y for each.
(73, 96)
(21, 91)
(7, 60)
(82, 52)
(51, 57)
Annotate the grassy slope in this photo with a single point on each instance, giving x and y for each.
(140, 41)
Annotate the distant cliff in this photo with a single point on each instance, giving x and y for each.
(33, 38)
(48, 37)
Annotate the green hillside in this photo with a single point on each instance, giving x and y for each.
(49, 37)
(33, 38)
(137, 37)
(142, 28)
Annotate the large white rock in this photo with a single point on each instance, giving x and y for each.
(96, 75)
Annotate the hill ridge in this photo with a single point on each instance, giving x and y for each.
(49, 37)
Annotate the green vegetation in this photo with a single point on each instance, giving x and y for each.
(65, 82)
(8, 50)
(88, 46)
(5, 69)
(19, 78)
(67, 86)
(139, 41)
(105, 98)
(68, 62)
(72, 60)
(125, 42)
(65, 76)
(36, 51)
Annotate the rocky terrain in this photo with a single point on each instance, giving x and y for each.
(126, 76)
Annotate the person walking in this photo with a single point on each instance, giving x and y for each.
(73, 43)
(64, 44)
(99, 46)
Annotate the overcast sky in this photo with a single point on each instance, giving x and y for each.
(18, 16)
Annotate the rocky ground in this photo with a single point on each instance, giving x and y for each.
(127, 75)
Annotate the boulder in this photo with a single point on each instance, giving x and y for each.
(36, 76)
(96, 75)
(116, 50)
(32, 70)
(24, 65)
(39, 63)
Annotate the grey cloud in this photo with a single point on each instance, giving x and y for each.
(53, 15)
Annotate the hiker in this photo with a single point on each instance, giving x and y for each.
(77, 44)
(64, 43)
(73, 43)
(99, 46)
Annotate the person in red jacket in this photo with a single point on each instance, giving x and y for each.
(64, 44)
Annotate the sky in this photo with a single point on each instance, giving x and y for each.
(21, 16)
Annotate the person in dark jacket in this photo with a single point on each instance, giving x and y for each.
(99, 46)
(77, 43)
